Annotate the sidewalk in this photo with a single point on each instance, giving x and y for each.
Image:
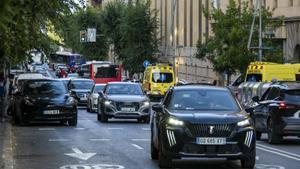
(2, 132)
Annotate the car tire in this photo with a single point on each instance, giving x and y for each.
(163, 160)
(104, 118)
(98, 117)
(249, 161)
(146, 119)
(258, 135)
(22, 121)
(154, 150)
(88, 109)
(73, 121)
(273, 138)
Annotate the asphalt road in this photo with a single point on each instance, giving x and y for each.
(119, 144)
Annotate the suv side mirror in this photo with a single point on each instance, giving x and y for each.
(157, 108)
(101, 94)
(255, 99)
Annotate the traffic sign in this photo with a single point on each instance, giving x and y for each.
(91, 35)
(146, 63)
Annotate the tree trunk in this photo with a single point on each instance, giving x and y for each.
(228, 78)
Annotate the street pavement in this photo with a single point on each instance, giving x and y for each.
(119, 144)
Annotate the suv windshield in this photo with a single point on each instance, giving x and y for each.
(99, 88)
(124, 89)
(200, 99)
(44, 88)
(162, 77)
(81, 85)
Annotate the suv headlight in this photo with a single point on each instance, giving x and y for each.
(70, 101)
(175, 122)
(244, 123)
(146, 103)
(108, 102)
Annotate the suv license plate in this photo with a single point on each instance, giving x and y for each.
(128, 109)
(210, 141)
(48, 112)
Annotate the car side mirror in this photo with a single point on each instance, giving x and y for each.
(256, 99)
(101, 94)
(157, 108)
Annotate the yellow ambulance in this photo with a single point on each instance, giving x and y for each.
(158, 78)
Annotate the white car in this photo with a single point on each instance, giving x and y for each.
(93, 95)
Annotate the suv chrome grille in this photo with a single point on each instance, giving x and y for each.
(120, 105)
(211, 130)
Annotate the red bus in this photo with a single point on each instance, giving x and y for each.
(101, 71)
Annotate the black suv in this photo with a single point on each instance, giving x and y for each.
(201, 122)
(277, 112)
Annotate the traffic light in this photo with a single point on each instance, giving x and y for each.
(83, 36)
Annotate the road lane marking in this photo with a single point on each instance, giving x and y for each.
(282, 151)
(278, 153)
(115, 128)
(140, 139)
(80, 155)
(46, 129)
(137, 146)
(79, 128)
(99, 139)
(57, 140)
(147, 129)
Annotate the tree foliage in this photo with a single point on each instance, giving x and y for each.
(227, 48)
(131, 29)
(23, 25)
(81, 20)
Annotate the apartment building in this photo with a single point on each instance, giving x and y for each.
(181, 25)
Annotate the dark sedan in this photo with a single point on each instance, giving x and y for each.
(201, 122)
(79, 88)
(44, 100)
(278, 111)
(123, 100)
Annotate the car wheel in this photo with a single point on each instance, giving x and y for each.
(154, 151)
(22, 121)
(98, 117)
(273, 138)
(104, 118)
(73, 121)
(258, 135)
(249, 161)
(88, 109)
(146, 119)
(163, 160)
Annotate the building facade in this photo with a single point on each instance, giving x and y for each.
(289, 33)
(181, 25)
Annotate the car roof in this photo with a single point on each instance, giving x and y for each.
(122, 83)
(31, 76)
(193, 87)
(292, 85)
(81, 79)
(100, 84)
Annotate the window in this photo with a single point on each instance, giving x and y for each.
(162, 77)
(275, 4)
(290, 3)
(274, 93)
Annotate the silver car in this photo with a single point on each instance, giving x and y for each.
(92, 97)
(123, 100)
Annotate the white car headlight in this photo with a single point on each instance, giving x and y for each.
(70, 100)
(175, 122)
(107, 102)
(146, 103)
(244, 123)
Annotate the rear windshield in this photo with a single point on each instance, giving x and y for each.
(162, 77)
(85, 85)
(292, 96)
(201, 99)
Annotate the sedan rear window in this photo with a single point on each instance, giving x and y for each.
(292, 96)
(201, 99)
(81, 85)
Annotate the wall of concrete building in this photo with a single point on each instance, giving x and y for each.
(179, 47)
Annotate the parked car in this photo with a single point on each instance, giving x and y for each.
(123, 100)
(93, 95)
(277, 112)
(79, 89)
(44, 100)
(201, 122)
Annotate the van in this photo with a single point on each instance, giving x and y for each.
(158, 78)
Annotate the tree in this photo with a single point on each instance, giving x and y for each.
(81, 20)
(227, 48)
(23, 25)
(139, 41)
